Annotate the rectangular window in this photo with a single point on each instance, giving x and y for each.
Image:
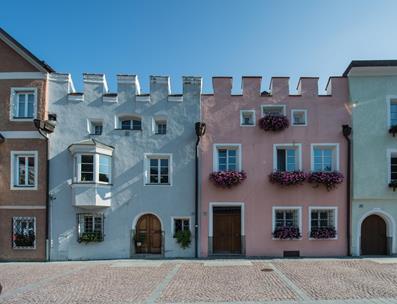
(90, 227)
(247, 117)
(286, 218)
(24, 104)
(393, 168)
(105, 168)
(287, 157)
(299, 117)
(322, 218)
(24, 169)
(278, 110)
(158, 170)
(161, 127)
(24, 233)
(227, 159)
(325, 158)
(393, 113)
(87, 168)
(96, 128)
(181, 224)
(131, 124)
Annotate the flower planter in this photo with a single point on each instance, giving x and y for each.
(323, 233)
(88, 237)
(286, 233)
(227, 179)
(274, 123)
(285, 178)
(329, 179)
(393, 130)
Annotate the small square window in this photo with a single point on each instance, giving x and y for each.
(24, 233)
(161, 127)
(90, 227)
(247, 118)
(278, 110)
(181, 224)
(95, 127)
(299, 117)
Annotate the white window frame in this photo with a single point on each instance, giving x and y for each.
(14, 168)
(389, 99)
(389, 154)
(292, 117)
(237, 147)
(335, 209)
(298, 156)
(157, 120)
(274, 105)
(298, 208)
(173, 218)
(146, 168)
(14, 219)
(90, 125)
(334, 146)
(253, 112)
(13, 99)
(77, 175)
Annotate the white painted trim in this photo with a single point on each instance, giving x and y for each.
(225, 204)
(14, 91)
(215, 155)
(77, 98)
(91, 121)
(335, 223)
(142, 98)
(139, 215)
(13, 154)
(21, 134)
(390, 227)
(146, 168)
(22, 75)
(253, 118)
(180, 218)
(175, 98)
(292, 117)
(274, 105)
(111, 99)
(23, 207)
(299, 156)
(388, 101)
(299, 208)
(335, 146)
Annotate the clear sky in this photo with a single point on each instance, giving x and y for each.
(203, 37)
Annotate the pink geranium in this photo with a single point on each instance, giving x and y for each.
(286, 178)
(329, 179)
(274, 122)
(227, 179)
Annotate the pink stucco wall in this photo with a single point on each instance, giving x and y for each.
(326, 115)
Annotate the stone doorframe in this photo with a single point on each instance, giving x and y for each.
(133, 253)
(211, 223)
(390, 229)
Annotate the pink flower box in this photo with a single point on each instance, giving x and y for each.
(274, 122)
(227, 179)
(329, 179)
(285, 178)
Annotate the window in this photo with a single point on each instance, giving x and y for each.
(299, 117)
(23, 103)
(227, 157)
(322, 218)
(181, 224)
(273, 110)
(247, 118)
(90, 227)
(325, 157)
(24, 170)
(95, 127)
(393, 166)
(393, 112)
(161, 127)
(128, 123)
(287, 157)
(158, 169)
(94, 168)
(24, 232)
(286, 218)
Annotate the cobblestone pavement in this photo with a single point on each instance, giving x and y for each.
(303, 281)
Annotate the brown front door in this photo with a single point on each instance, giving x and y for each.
(148, 234)
(227, 230)
(373, 236)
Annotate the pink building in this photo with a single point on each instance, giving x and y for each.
(257, 217)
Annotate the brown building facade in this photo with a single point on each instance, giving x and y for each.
(23, 153)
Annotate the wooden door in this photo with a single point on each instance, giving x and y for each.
(227, 230)
(373, 236)
(148, 234)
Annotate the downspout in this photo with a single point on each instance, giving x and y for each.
(347, 130)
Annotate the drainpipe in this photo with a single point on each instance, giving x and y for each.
(200, 131)
(347, 130)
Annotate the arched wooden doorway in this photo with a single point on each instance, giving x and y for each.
(148, 234)
(373, 236)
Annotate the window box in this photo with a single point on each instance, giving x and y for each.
(286, 233)
(274, 122)
(329, 179)
(285, 178)
(227, 179)
(323, 233)
(87, 237)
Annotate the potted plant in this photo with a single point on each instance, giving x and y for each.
(272, 122)
(286, 233)
(183, 238)
(323, 233)
(88, 237)
(329, 179)
(227, 179)
(287, 178)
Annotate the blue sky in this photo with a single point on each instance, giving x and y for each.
(203, 37)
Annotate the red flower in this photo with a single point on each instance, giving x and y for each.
(329, 179)
(227, 179)
(274, 122)
(287, 178)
